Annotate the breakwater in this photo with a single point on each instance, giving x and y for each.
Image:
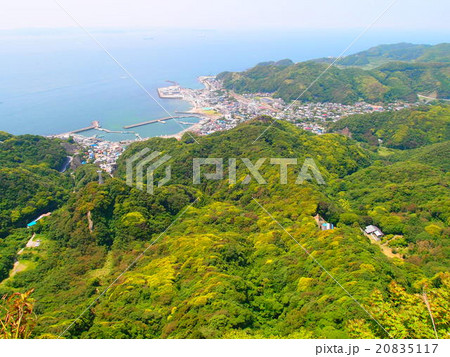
(158, 120)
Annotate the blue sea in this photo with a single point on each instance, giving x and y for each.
(55, 81)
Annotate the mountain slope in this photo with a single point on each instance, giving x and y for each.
(225, 267)
(405, 129)
(388, 82)
(29, 181)
(381, 54)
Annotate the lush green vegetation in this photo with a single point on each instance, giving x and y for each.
(404, 129)
(433, 155)
(395, 52)
(395, 78)
(225, 268)
(28, 192)
(30, 150)
(29, 181)
(9, 248)
(409, 202)
(30, 185)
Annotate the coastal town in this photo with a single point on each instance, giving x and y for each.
(220, 109)
(98, 151)
(225, 109)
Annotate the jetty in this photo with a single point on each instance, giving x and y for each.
(94, 125)
(113, 131)
(158, 121)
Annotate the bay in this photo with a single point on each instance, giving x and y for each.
(55, 81)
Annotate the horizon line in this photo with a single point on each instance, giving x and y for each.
(219, 29)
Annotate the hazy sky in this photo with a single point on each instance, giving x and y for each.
(226, 14)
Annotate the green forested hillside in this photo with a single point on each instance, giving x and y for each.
(405, 129)
(30, 150)
(29, 181)
(389, 81)
(409, 202)
(30, 185)
(225, 268)
(433, 155)
(395, 52)
(27, 192)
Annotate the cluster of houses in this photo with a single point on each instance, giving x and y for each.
(236, 108)
(319, 112)
(105, 154)
(233, 108)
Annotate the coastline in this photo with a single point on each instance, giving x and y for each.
(195, 127)
(205, 115)
(175, 91)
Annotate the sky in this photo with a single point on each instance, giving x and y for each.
(429, 15)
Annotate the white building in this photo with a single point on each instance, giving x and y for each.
(374, 231)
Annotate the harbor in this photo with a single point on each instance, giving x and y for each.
(221, 109)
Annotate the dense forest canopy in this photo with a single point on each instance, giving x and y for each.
(405, 129)
(30, 150)
(29, 181)
(30, 185)
(225, 267)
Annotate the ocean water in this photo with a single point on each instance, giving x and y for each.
(55, 81)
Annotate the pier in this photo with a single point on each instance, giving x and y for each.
(81, 130)
(94, 125)
(114, 131)
(158, 121)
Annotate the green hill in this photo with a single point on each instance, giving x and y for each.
(381, 54)
(433, 155)
(405, 129)
(30, 185)
(226, 269)
(397, 78)
(30, 150)
(29, 181)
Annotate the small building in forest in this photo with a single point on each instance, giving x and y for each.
(326, 226)
(374, 232)
(322, 224)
